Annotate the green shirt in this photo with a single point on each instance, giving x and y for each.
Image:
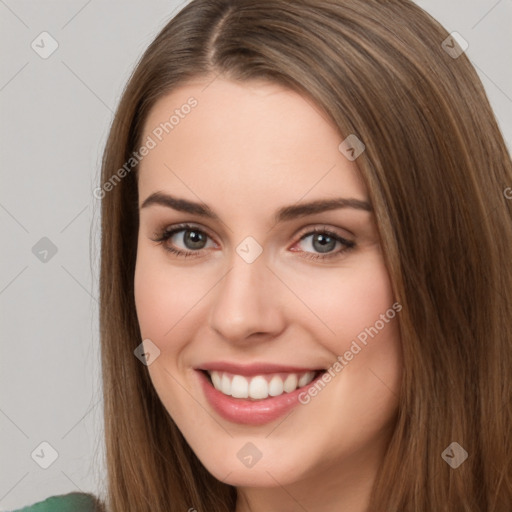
(73, 502)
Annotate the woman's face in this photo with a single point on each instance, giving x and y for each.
(248, 167)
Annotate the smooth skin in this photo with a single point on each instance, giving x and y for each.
(247, 150)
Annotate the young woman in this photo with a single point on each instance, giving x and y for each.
(306, 290)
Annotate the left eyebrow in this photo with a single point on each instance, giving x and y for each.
(283, 214)
(322, 205)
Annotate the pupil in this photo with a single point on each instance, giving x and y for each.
(194, 239)
(325, 243)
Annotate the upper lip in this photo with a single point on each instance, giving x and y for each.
(253, 368)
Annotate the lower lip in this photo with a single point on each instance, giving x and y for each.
(249, 412)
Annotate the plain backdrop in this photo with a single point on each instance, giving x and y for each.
(55, 115)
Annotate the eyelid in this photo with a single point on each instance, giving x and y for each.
(323, 228)
(171, 229)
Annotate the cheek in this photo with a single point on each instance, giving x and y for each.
(164, 298)
(164, 295)
(364, 297)
(355, 319)
(369, 345)
(339, 303)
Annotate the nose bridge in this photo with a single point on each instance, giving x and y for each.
(245, 301)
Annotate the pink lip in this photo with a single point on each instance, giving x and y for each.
(250, 412)
(253, 368)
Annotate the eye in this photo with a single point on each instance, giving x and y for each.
(324, 241)
(192, 237)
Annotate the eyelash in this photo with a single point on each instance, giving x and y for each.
(167, 233)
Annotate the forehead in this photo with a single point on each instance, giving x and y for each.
(222, 139)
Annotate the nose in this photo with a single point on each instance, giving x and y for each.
(247, 302)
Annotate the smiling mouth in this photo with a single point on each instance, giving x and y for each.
(259, 387)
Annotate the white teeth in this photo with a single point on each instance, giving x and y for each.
(225, 385)
(290, 384)
(275, 386)
(303, 380)
(259, 387)
(216, 379)
(239, 387)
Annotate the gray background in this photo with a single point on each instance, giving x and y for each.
(55, 115)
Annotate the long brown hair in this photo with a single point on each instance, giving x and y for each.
(437, 171)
